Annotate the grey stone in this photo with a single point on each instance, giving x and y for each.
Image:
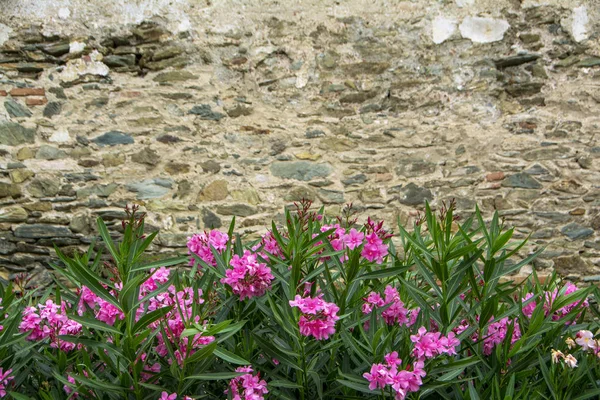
(414, 195)
(44, 187)
(300, 170)
(38, 231)
(9, 190)
(574, 231)
(553, 216)
(7, 247)
(298, 193)
(238, 111)
(570, 265)
(589, 62)
(168, 139)
(210, 166)
(146, 156)
(174, 240)
(355, 180)
(116, 61)
(57, 49)
(239, 210)
(113, 138)
(81, 177)
(13, 214)
(512, 61)
(53, 108)
(413, 168)
(314, 133)
(210, 219)
(150, 188)
(174, 76)
(536, 169)
(16, 110)
(46, 152)
(521, 180)
(205, 112)
(80, 223)
(524, 89)
(331, 196)
(13, 134)
(58, 92)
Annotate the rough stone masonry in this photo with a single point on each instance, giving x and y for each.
(201, 110)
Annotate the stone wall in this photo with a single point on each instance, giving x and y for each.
(205, 110)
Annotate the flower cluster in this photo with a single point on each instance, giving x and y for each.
(200, 245)
(5, 379)
(270, 245)
(375, 249)
(569, 360)
(248, 278)
(496, 333)
(318, 316)
(49, 321)
(550, 298)
(432, 344)
(396, 313)
(402, 381)
(247, 386)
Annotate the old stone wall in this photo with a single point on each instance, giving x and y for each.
(201, 110)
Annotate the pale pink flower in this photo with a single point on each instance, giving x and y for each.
(570, 361)
(586, 340)
(353, 239)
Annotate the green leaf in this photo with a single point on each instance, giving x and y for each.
(95, 324)
(107, 239)
(149, 318)
(383, 273)
(169, 262)
(230, 357)
(216, 376)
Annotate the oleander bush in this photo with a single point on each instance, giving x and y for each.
(317, 309)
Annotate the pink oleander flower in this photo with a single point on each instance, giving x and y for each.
(247, 386)
(396, 313)
(353, 239)
(248, 278)
(200, 245)
(157, 277)
(318, 316)
(49, 320)
(379, 376)
(432, 344)
(496, 333)
(374, 249)
(528, 309)
(5, 380)
(586, 340)
(402, 381)
(167, 396)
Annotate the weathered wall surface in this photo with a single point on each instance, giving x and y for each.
(202, 110)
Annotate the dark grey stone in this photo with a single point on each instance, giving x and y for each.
(53, 108)
(521, 180)
(574, 231)
(414, 195)
(13, 134)
(150, 188)
(113, 138)
(355, 180)
(205, 112)
(17, 110)
(38, 231)
(239, 210)
(515, 60)
(210, 219)
(331, 196)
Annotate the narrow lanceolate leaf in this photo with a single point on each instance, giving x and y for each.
(110, 245)
(150, 318)
(169, 262)
(95, 324)
(216, 376)
(230, 357)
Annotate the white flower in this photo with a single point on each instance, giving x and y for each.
(571, 361)
(557, 355)
(586, 340)
(570, 343)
